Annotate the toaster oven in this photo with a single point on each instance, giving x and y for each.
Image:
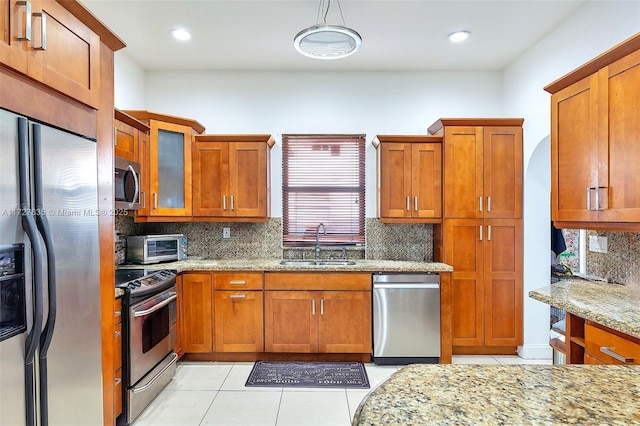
(145, 249)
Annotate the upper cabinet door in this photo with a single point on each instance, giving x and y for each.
(170, 172)
(15, 28)
(426, 180)
(395, 180)
(618, 179)
(67, 54)
(248, 179)
(574, 151)
(463, 172)
(502, 166)
(210, 178)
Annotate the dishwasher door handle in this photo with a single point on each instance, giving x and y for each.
(407, 285)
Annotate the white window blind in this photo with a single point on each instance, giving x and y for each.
(323, 181)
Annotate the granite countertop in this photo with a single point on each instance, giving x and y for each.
(427, 394)
(273, 265)
(612, 305)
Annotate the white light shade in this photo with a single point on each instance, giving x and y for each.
(324, 41)
(459, 36)
(181, 34)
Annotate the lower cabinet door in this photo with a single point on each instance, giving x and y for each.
(238, 321)
(291, 321)
(197, 324)
(345, 322)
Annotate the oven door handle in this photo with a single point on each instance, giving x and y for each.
(174, 358)
(154, 308)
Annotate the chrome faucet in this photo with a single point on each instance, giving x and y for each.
(324, 228)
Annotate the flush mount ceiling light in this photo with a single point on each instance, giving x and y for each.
(459, 36)
(327, 41)
(181, 34)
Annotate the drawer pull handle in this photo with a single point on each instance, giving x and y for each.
(237, 282)
(118, 381)
(118, 314)
(118, 333)
(237, 296)
(612, 354)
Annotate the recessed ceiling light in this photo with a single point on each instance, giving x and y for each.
(181, 34)
(459, 36)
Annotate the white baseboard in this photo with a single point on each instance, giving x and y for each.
(539, 351)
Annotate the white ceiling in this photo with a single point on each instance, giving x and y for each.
(397, 34)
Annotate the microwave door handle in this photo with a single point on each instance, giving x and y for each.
(155, 307)
(136, 184)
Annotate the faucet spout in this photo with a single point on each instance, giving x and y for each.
(324, 229)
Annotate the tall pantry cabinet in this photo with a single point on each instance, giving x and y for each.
(481, 234)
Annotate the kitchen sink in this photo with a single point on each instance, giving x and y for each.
(317, 262)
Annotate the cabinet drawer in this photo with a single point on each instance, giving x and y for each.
(609, 347)
(317, 281)
(238, 281)
(117, 350)
(117, 393)
(588, 359)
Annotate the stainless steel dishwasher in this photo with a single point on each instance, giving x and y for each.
(406, 318)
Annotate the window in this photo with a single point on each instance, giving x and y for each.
(323, 181)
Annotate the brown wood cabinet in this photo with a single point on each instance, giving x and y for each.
(482, 167)
(179, 316)
(52, 46)
(486, 256)
(197, 325)
(238, 310)
(409, 178)
(127, 136)
(231, 176)
(168, 161)
(595, 142)
(311, 320)
(609, 346)
(117, 360)
(481, 236)
(587, 342)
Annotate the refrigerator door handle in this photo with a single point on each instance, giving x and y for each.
(37, 248)
(45, 231)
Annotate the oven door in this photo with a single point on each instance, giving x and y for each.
(152, 332)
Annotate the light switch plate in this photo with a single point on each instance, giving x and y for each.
(226, 232)
(598, 244)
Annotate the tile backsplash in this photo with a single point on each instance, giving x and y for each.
(264, 240)
(620, 264)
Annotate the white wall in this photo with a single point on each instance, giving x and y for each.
(368, 103)
(129, 82)
(594, 28)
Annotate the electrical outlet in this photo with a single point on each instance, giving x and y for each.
(226, 232)
(598, 244)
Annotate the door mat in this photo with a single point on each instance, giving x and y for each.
(309, 374)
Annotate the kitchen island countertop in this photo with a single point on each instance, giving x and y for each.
(273, 265)
(612, 305)
(426, 394)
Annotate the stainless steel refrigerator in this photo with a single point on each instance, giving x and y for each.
(51, 370)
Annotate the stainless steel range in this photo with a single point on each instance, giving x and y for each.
(149, 331)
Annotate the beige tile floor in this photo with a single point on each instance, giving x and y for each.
(213, 393)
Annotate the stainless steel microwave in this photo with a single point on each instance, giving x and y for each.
(126, 184)
(145, 249)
